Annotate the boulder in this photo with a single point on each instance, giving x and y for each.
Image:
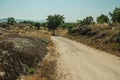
(18, 54)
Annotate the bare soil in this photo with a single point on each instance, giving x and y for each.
(80, 62)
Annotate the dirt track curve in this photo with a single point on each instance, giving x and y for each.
(80, 62)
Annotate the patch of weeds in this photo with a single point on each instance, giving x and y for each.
(31, 70)
(47, 69)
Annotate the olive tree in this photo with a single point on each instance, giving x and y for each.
(54, 21)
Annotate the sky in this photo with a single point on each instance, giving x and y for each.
(71, 9)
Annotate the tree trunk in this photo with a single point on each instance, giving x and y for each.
(53, 32)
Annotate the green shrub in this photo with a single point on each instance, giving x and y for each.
(31, 70)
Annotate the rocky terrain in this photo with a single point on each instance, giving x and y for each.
(105, 37)
(18, 54)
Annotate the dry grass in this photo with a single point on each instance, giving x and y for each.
(46, 70)
(37, 34)
(31, 32)
(60, 32)
(110, 47)
(101, 36)
(3, 33)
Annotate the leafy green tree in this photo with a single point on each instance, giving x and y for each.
(44, 25)
(54, 21)
(102, 19)
(37, 24)
(80, 21)
(67, 25)
(24, 22)
(28, 22)
(86, 21)
(115, 15)
(11, 20)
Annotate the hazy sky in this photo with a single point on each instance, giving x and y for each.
(72, 9)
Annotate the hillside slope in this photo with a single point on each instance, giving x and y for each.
(103, 37)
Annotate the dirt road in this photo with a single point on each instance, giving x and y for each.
(80, 62)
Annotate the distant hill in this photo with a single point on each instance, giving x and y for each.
(20, 20)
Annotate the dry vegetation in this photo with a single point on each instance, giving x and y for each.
(60, 32)
(19, 53)
(101, 36)
(45, 69)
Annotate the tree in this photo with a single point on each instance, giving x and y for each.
(44, 25)
(54, 21)
(86, 21)
(28, 22)
(102, 19)
(11, 20)
(80, 22)
(115, 15)
(67, 25)
(37, 24)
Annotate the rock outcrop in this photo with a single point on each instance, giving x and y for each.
(18, 54)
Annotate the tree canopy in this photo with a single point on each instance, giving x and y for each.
(54, 21)
(86, 21)
(115, 15)
(36, 24)
(102, 19)
(11, 20)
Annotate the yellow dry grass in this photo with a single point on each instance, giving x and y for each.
(2, 35)
(37, 34)
(47, 70)
(43, 34)
(31, 32)
(60, 32)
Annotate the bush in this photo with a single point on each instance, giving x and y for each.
(116, 36)
(31, 70)
(84, 30)
(81, 30)
(72, 31)
(92, 33)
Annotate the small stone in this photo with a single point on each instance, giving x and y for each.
(2, 74)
